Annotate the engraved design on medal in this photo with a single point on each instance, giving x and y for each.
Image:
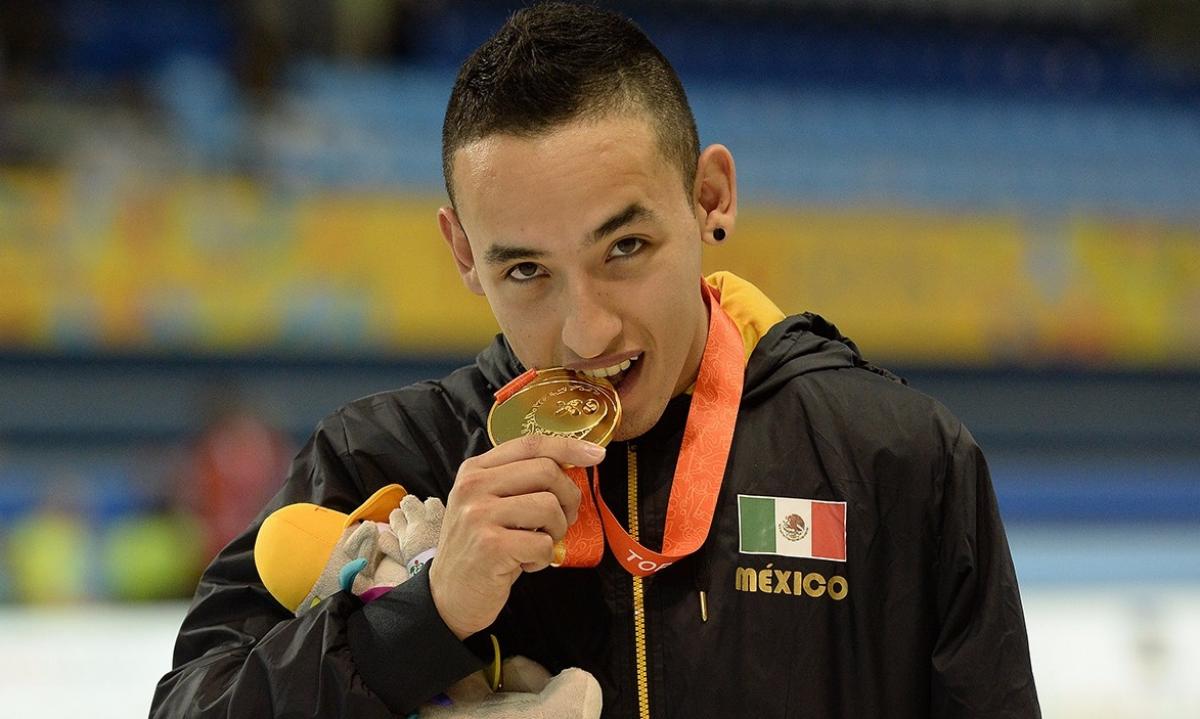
(559, 403)
(577, 407)
(588, 410)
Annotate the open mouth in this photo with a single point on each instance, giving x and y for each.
(616, 373)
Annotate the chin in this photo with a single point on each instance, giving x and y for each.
(635, 389)
(627, 432)
(635, 426)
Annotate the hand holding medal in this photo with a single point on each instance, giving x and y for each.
(527, 503)
(510, 506)
(561, 403)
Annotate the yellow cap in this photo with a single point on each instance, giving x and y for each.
(294, 542)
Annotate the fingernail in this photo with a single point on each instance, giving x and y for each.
(560, 552)
(594, 450)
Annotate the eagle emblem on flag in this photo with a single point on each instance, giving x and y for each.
(793, 528)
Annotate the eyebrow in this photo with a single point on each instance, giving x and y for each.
(634, 212)
(503, 254)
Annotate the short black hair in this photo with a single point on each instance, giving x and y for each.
(555, 62)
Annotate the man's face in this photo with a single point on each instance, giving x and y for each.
(588, 251)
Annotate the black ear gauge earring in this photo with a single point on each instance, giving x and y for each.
(719, 234)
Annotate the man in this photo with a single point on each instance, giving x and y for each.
(852, 562)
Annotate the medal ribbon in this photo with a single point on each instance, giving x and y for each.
(707, 437)
(699, 470)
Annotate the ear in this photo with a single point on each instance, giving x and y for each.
(715, 192)
(460, 248)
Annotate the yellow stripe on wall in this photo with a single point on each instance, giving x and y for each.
(982, 289)
(221, 265)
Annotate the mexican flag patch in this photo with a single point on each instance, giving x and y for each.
(791, 527)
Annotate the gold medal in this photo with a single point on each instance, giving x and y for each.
(560, 403)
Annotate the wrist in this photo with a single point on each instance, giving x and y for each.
(441, 605)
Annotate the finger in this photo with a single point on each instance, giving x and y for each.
(563, 450)
(537, 475)
(531, 511)
(532, 550)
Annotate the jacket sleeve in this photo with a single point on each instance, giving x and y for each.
(241, 654)
(980, 664)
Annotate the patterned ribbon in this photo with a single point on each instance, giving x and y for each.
(707, 437)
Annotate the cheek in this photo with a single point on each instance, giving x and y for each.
(671, 315)
(532, 333)
(661, 317)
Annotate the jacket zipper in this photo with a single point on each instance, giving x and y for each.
(639, 604)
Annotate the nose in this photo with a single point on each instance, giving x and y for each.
(591, 326)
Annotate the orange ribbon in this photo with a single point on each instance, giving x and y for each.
(707, 437)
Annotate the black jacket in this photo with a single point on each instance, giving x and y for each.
(925, 621)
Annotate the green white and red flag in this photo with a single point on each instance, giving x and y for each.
(792, 527)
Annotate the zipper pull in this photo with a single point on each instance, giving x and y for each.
(702, 576)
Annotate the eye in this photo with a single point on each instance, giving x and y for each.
(525, 271)
(626, 247)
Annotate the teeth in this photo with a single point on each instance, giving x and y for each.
(610, 371)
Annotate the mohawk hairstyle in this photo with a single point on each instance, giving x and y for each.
(556, 62)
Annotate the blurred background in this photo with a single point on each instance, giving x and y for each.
(217, 225)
